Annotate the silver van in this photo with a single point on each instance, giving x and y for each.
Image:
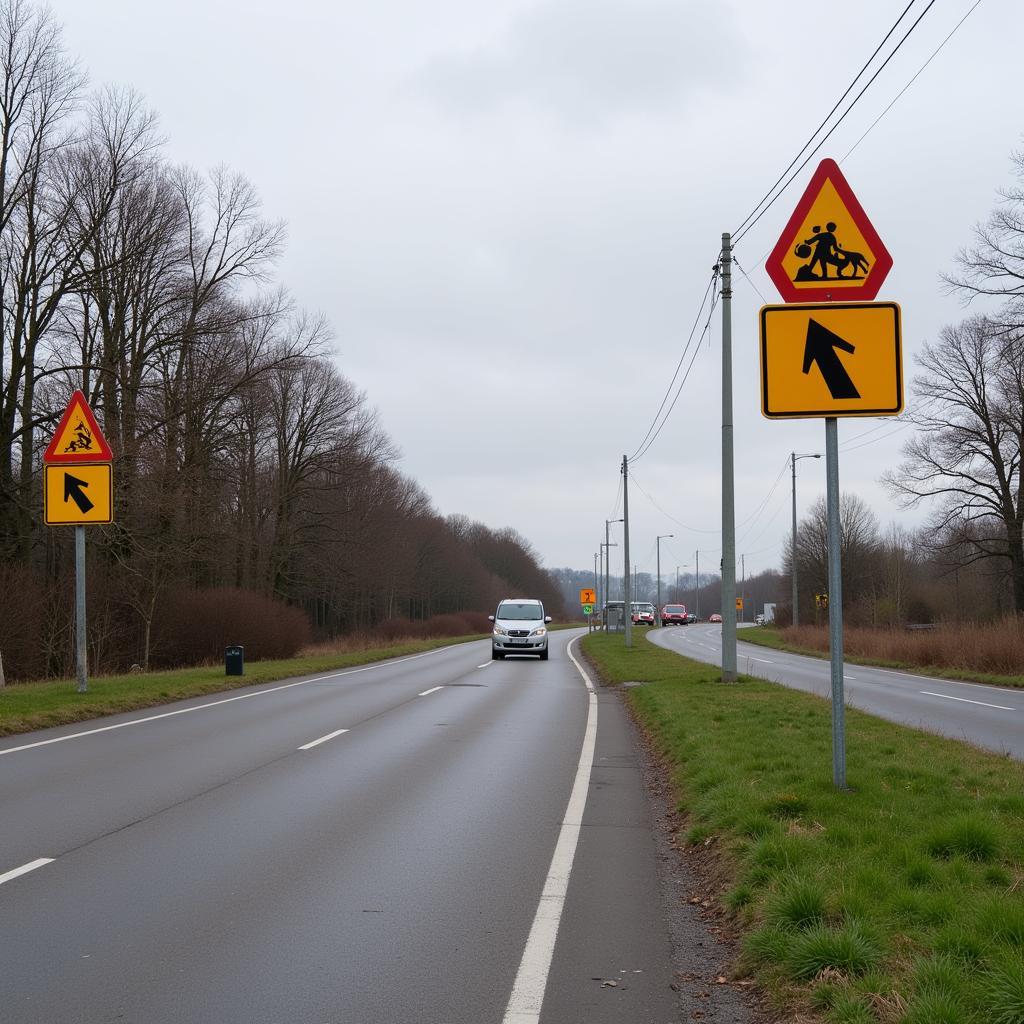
(520, 627)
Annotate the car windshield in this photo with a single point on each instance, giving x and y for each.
(526, 610)
(674, 608)
(644, 608)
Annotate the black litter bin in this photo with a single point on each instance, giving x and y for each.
(234, 661)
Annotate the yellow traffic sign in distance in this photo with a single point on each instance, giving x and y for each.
(588, 596)
(739, 604)
(78, 494)
(831, 359)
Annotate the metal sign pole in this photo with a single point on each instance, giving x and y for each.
(835, 602)
(80, 652)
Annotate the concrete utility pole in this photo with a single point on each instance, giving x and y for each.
(627, 610)
(796, 602)
(743, 610)
(597, 590)
(696, 596)
(728, 495)
(657, 610)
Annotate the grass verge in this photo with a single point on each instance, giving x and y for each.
(901, 900)
(769, 636)
(28, 706)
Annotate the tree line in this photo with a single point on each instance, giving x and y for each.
(244, 458)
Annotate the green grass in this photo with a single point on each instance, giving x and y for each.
(28, 706)
(770, 636)
(900, 900)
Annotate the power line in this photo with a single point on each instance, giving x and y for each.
(678, 522)
(749, 279)
(914, 79)
(828, 116)
(707, 326)
(689, 340)
(842, 117)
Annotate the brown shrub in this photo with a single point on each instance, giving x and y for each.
(23, 623)
(195, 626)
(996, 647)
(455, 624)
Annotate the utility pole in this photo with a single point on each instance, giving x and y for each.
(796, 603)
(597, 587)
(627, 610)
(607, 560)
(657, 610)
(743, 610)
(728, 495)
(696, 602)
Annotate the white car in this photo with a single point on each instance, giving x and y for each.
(520, 627)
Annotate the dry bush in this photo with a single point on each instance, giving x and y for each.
(996, 647)
(23, 623)
(195, 626)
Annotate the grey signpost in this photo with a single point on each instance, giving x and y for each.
(835, 602)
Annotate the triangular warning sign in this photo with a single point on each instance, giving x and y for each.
(828, 250)
(78, 437)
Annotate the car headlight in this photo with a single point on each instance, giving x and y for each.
(542, 631)
(500, 631)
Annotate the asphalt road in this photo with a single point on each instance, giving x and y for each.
(241, 859)
(986, 716)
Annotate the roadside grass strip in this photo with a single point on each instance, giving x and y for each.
(25, 707)
(900, 901)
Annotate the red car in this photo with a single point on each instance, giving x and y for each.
(715, 618)
(674, 615)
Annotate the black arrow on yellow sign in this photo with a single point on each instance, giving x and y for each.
(73, 490)
(821, 349)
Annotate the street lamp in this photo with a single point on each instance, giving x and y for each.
(661, 536)
(607, 577)
(794, 457)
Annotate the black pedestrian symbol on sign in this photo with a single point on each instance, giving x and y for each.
(825, 251)
(83, 439)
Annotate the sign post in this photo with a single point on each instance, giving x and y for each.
(78, 490)
(825, 355)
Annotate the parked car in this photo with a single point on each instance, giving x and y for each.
(715, 618)
(674, 615)
(691, 617)
(643, 614)
(520, 627)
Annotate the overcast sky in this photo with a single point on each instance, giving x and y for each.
(509, 212)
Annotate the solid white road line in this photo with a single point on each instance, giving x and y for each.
(323, 739)
(433, 689)
(964, 700)
(226, 700)
(765, 660)
(524, 1004)
(486, 664)
(25, 869)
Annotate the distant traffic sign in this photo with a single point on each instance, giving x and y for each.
(588, 596)
(588, 609)
(78, 437)
(829, 249)
(739, 604)
(78, 495)
(803, 373)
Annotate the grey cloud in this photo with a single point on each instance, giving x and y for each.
(585, 60)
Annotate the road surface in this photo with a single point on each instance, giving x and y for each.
(364, 847)
(987, 716)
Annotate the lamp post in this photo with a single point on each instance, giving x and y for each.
(792, 554)
(696, 596)
(607, 576)
(657, 544)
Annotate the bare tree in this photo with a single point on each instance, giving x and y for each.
(967, 451)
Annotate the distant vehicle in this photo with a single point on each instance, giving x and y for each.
(769, 612)
(674, 615)
(643, 614)
(520, 627)
(715, 618)
(759, 620)
(690, 617)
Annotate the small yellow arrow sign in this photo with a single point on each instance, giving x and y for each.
(78, 494)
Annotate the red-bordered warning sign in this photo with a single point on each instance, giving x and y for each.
(78, 437)
(829, 250)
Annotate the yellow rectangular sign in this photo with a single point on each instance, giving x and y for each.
(831, 359)
(588, 597)
(78, 494)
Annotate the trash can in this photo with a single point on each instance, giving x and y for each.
(234, 661)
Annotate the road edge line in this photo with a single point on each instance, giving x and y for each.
(527, 996)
